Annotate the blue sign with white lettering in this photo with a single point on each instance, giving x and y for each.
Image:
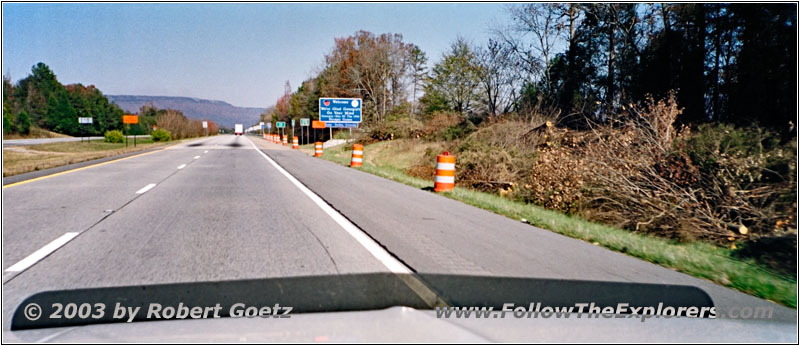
(269, 126)
(340, 124)
(339, 110)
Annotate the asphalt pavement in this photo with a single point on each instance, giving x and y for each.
(226, 208)
(225, 215)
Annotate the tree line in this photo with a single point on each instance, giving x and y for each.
(733, 63)
(41, 100)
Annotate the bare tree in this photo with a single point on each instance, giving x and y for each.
(535, 32)
(498, 81)
(417, 61)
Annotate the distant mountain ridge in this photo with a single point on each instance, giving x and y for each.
(220, 112)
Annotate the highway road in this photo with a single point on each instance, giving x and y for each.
(226, 207)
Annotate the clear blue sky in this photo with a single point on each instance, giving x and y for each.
(238, 53)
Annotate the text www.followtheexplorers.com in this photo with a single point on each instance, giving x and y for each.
(591, 310)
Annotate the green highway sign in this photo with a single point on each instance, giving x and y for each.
(280, 124)
(305, 121)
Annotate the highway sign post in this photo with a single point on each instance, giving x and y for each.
(337, 124)
(316, 124)
(340, 112)
(305, 122)
(85, 120)
(205, 127)
(130, 119)
(344, 110)
(292, 127)
(281, 125)
(127, 120)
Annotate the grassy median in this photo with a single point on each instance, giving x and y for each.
(699, 259)
(30, 158)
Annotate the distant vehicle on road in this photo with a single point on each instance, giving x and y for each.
(238, 129)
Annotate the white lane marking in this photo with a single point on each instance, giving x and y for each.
(197, 157)
(181, 166)
(42, 253)
(205, 152)
(376, 250)
(383, 256)
(145, 189)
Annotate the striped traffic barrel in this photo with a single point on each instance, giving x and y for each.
(358, 155)
(295, 143)
(285, 140)
(445, 172)
(317, 149)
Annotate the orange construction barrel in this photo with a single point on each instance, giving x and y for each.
(317, 149)
(445, 172)
(358, 155)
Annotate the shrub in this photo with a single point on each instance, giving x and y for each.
(341, 135)
(179, 126)
(160, 135)
(114, 136)
(388, 130)
(434, 129)
(495, 156)
(8, 123)
(23, 122)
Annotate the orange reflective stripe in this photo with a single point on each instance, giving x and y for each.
(445, 173)
(446, 159)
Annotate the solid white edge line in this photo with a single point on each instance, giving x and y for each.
(415, 284)
(37, 256)
(145, 189)
(182, 166)
(374, 249)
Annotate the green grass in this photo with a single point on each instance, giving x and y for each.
(29, 158)
(93, 145)
(699, 259)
